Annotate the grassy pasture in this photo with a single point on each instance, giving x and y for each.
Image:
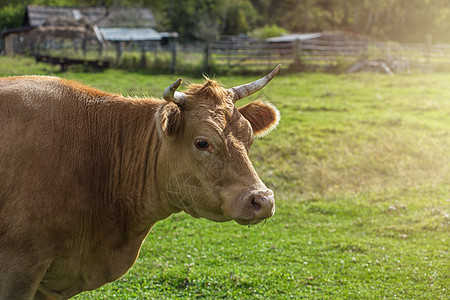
(360, 167)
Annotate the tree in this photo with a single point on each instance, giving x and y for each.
(11, 16)
(399, 20)
(241, 16)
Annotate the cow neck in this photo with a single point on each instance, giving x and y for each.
(130, 192)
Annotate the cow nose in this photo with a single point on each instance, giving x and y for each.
(262, 204)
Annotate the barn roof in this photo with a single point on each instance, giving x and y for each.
(67, 28)
(99, 16)
(130, 34)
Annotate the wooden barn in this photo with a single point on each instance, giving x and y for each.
(81, 25)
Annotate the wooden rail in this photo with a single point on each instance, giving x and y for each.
(326, 51)
(65, 62)
(248, 54)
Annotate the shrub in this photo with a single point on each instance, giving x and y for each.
(268, 31)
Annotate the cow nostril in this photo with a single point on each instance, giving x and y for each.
(256, 205)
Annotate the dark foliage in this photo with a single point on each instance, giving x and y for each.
(399, 20)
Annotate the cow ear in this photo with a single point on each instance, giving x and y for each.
(168, 120)
(262, 116)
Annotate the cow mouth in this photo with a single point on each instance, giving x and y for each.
(249, 222)
(220, 217)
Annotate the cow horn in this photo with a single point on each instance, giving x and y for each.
(245, 90)
(171, 94)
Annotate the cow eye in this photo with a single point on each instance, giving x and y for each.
(202, 144)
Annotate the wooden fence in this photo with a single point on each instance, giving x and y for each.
(253, 54)
(320, 52)
(247, 55)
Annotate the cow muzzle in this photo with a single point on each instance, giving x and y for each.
(257, 206)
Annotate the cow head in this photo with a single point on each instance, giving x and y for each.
(205, 140)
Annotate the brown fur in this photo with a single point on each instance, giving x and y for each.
(85, 174)
(262, 116)
(169, 118)
(211, 91)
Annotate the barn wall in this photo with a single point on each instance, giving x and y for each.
(15, 43)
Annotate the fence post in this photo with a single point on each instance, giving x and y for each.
(228, 51)
(155, 56)
(269, 56)
(85, 42)
(430, 46)
(297, 51)
(119, 51)
(370, 47)
(207, 63)
(173, 63)
(143, 62)
(100, 51)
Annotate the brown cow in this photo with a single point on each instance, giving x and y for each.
(85, 174)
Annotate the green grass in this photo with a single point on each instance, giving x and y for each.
(361, 172)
